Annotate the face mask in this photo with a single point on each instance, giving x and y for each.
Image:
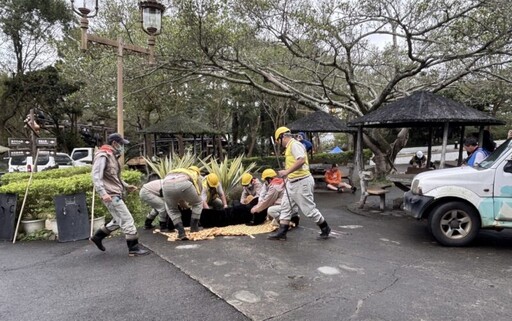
(119, 149)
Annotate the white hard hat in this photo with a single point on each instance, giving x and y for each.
(419, 154)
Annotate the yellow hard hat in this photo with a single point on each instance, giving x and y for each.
(281, 130)
(268, 173)
(213, 180)
(246, 179)
(195, 169)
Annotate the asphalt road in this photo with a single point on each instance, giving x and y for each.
(377, 266)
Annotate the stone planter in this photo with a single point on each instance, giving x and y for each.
(97, 223)
(31, 226)
(51, 224)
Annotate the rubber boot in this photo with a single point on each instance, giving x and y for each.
(280, 235)
(98, 237)
(148, 224)
(194, 225)
(295, 220)
(133, 248)
(181, 232)
(164, 227)
(325, 231)
(170, 225)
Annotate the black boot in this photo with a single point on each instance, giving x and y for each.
(164, 227)
(170, 225)
(148, 224)
(295, 220)
(181, 232)
(98, 237)
(133, 248)
(194, 225)
(280, 234)
(325, 231)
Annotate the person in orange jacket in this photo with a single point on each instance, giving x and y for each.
(333, 180)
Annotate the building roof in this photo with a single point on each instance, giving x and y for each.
(320, 122)
(423, 109)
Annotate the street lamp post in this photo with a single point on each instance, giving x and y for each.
(151, 17)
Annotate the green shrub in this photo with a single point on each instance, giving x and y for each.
(46, 185)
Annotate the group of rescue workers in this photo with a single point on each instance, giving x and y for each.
(283, 194)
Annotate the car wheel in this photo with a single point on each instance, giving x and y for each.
(454, 224)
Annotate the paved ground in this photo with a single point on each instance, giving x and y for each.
(377, 266)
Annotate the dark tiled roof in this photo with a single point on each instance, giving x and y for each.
(320, 122)
(179, 124)
(423, 109)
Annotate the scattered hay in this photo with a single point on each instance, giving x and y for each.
(232, 230)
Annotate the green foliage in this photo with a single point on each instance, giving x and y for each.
(52, 174)
(46, 185)
(41, 235)
(165, 164)
(229, 171)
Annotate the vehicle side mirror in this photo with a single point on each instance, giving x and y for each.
(508, 167)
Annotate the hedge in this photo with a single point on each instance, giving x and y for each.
(47, 184)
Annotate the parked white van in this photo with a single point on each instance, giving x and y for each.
(44, 161)
(458, 202)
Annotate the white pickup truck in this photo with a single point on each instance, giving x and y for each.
(458, 202)
(83, 154)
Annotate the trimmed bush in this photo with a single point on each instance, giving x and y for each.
(47, 184)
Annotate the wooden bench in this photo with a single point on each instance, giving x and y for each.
(376, 191)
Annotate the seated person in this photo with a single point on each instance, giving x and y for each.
(213, 193)
(476, 154)
(333, 180)
(251, 188)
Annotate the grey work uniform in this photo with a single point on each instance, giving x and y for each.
(106, 174)
(150, 193)
(178, 188)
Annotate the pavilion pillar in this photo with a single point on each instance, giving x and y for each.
(445, 142)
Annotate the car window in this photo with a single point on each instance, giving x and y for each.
(43, 159)
(63, 160)
(80, 154)
(18, 160)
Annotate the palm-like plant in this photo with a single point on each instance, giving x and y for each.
(229, 171)
(165, 164)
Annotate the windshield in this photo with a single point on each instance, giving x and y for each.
(503, 148)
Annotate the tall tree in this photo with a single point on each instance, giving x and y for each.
(28, 29)
(350, 55)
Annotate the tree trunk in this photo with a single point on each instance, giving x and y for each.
(384, 154)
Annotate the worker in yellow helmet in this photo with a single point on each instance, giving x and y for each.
(299, 186)
(213, 193)
(251, 187)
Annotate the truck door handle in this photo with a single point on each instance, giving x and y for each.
(486, 190)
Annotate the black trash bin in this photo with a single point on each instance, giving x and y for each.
(72, 217)
(7, 215)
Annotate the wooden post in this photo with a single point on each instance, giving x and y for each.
(445, 142)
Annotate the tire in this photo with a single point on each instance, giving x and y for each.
(454, 224)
